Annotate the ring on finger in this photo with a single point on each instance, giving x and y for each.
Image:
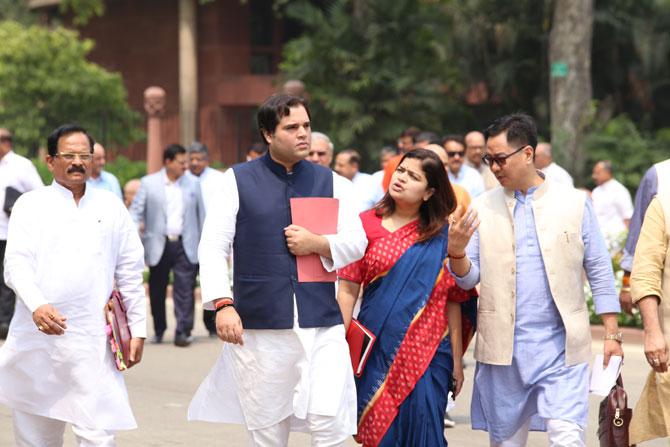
(40, 327)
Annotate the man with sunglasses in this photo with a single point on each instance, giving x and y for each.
(459, 173)
(17, 175)
(68, 245)
(529, 243)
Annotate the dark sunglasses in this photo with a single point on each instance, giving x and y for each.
(453, 154)
(500, 160)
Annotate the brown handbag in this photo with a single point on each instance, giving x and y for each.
(614, 417)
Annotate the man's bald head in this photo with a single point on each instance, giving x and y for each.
(294, 87)
(129, 190)
(440, 151)
(543, 156)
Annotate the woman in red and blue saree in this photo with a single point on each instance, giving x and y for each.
(411, 303)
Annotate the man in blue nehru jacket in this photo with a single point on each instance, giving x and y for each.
(286, 362)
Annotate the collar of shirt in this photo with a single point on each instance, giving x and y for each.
(280, 170)
(66, 193)
(169, 182)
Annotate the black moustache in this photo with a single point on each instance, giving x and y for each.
(76, 169)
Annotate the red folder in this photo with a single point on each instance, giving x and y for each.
(118, 332)
(318, 215)
(360, 341)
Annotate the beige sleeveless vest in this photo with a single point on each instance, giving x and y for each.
(558, 212)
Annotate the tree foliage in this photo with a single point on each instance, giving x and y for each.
(83, 10)
(373, 67)
(372, 72)
(45, 81)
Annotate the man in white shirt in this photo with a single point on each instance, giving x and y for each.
(170, 206)
(68, 245)
(544, 161)
(18, 174)
(211, 184)
(99, 178)
(367, 192)
(321, 151)
(613, 205)
(475, 147)
(459, 173)
(285, 365)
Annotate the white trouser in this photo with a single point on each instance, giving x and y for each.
(326, 431)
(31, 430)
(561, 434)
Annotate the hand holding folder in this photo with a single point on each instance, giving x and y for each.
(360, 341)
(318, 215)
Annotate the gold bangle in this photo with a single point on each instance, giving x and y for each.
(625, 289)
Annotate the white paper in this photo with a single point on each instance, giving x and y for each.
(603, 379)
(450, 401)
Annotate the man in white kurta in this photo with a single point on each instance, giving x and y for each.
(613, 205)
(293, 378)
(67, 245)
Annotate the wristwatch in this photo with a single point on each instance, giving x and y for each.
(618, 336)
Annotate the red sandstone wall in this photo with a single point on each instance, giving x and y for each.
(139, 38)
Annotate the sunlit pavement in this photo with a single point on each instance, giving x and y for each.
(162, 385)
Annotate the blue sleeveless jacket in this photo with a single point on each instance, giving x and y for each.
(265, 276)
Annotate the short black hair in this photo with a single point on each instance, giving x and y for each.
(170, 152)
(354, 156)
(199, 148)
(411, 132)
(520, 128)
(430, 137)
(66, 129)
(274, 109)
(454, 137)
(258, 148)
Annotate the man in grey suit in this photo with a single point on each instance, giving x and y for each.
(171, 207)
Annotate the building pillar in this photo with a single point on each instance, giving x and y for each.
(188, 71)
(154, 104)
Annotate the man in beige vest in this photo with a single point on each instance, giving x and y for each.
(528, 244)
(650, 290)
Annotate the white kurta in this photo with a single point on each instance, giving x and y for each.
(19, 173)
(277, 373)
(613, 206)
(69, 256)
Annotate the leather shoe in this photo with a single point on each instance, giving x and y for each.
(182, 340)
(157, 339)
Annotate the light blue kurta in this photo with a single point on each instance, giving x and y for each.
(538, 384)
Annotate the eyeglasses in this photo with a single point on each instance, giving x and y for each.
(69, 157)
(500, 160)
(453, 154)
(320, 154)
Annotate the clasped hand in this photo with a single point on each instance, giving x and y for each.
(299, 240)
(49, 321)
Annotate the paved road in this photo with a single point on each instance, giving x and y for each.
(162, 385)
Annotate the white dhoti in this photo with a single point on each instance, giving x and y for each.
(280, 381)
